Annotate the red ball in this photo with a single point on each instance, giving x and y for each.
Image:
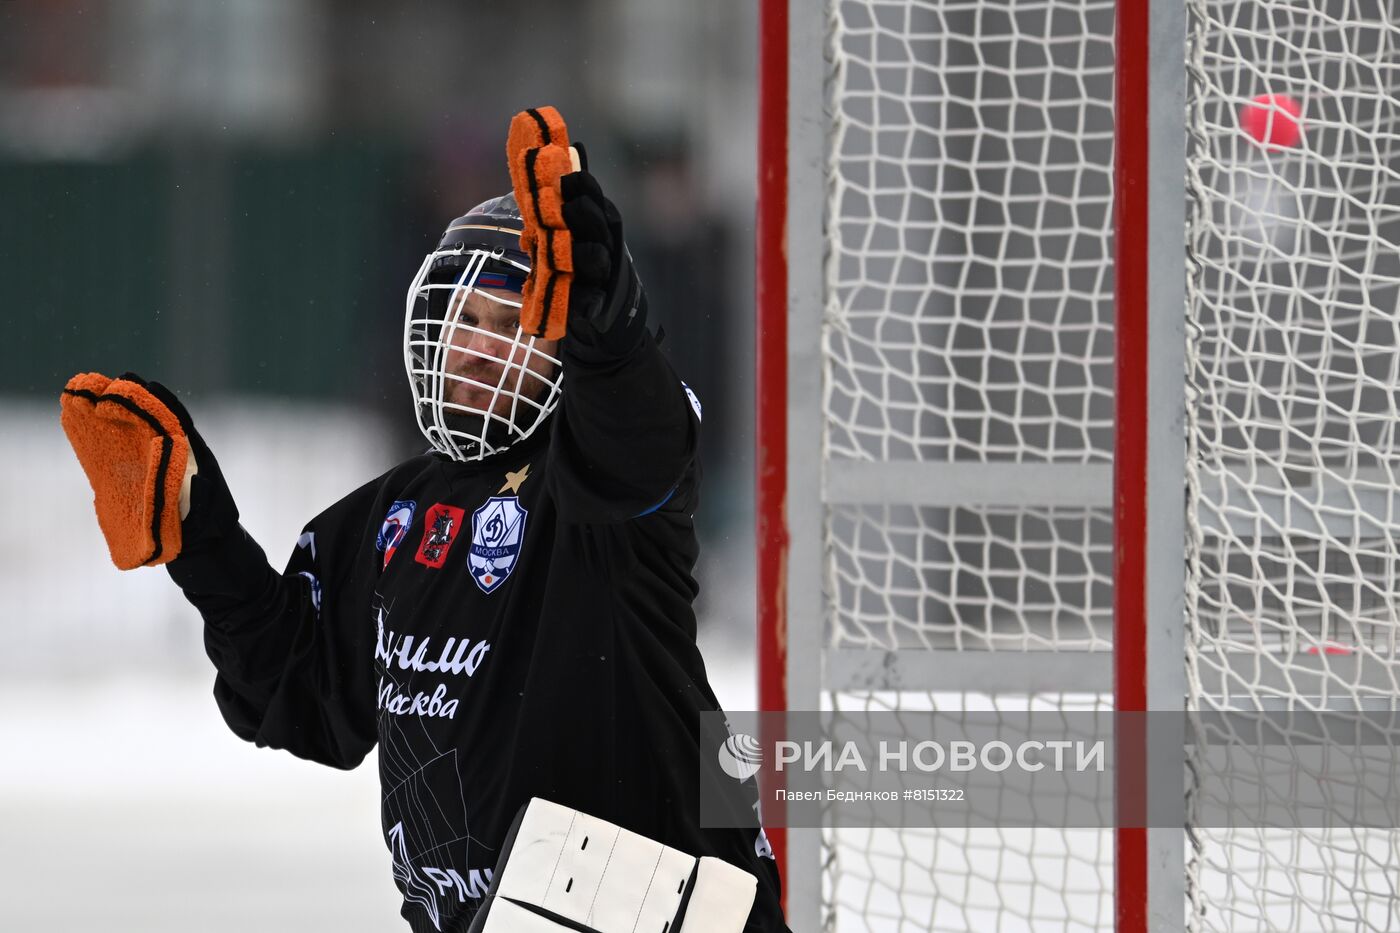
(1273, 119)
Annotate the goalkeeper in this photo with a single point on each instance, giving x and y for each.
(506, 616)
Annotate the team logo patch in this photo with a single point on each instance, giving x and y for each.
(440, 526)
(498, 527)
(394, 528)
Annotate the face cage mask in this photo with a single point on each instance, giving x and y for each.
(447, 355)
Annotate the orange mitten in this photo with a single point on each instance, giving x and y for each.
(537, 150)
(134, 451)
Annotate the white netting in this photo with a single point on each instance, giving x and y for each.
(969, 302)
(955, 880)
(968, 320)
(971, 579)
(922, 880)
(1293, 367)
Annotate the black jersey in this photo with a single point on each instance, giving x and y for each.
(515, 627)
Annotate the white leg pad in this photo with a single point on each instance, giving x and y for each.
(610, 880)
(509, 917)
(720, 900)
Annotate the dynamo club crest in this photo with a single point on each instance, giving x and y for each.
(498, 527)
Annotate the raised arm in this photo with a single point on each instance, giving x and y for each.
(628, 428)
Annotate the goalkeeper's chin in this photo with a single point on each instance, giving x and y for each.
(473, 429)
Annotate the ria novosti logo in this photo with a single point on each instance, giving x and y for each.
(741, 756)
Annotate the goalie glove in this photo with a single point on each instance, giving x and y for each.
(607, 306)
(538, 155)
(156, 486)
(582, 283)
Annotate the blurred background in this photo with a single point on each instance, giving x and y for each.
(230, 197)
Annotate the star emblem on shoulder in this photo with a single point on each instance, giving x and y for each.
(513, 480)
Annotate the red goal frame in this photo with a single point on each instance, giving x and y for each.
(1134, 119)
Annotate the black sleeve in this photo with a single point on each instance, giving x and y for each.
(294, 660)
(627, 431)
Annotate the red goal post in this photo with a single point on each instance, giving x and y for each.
(1072, 394)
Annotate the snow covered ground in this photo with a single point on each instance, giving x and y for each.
(126, 805)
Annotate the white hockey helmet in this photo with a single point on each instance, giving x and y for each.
(479, 384)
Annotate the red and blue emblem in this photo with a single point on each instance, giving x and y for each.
(395, 526)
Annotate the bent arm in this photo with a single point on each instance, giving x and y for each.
(291, 672)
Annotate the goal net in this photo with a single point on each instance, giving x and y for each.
(949, 366)
(1293, 366)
